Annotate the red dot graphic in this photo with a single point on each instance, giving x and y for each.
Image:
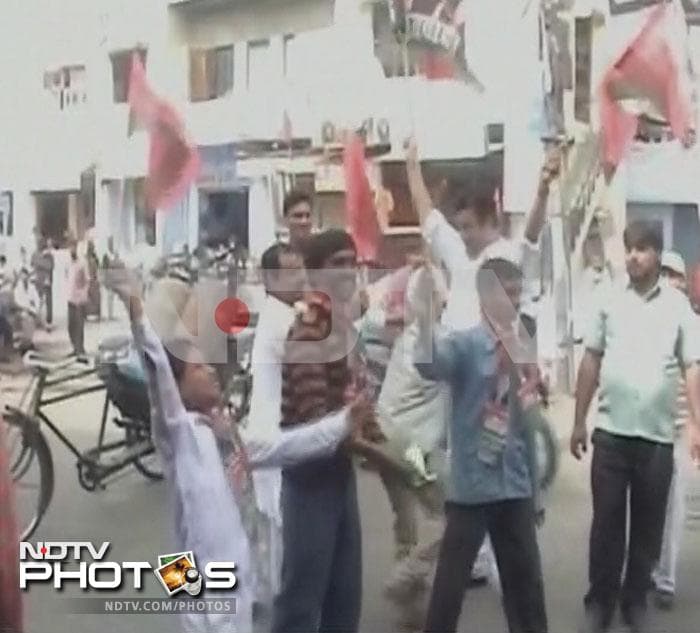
(232, 316)
(43, 550)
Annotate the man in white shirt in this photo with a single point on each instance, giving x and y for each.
(284, 278)
(462, 248)
(475, 237)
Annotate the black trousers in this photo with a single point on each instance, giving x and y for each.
(321, 585)
(76, 327)
(46, 295)
(639, 471)
(511, 526)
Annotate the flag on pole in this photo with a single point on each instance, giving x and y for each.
(173, 162)
(359, 201)
(650, 68)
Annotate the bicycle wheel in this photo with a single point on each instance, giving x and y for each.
(547, 452)
(31, 467)
(149, 465)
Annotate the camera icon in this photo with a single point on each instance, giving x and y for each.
(193, 582)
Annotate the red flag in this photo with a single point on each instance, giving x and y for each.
(649, 68)
(173, 162)
(10, 595)
(359, 201)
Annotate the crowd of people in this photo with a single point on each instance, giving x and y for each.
(27, 293)
(434, 385)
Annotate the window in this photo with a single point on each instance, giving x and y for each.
(52, 216)
(582, 87)
(144, 217)
(286, 45)
(67, 84)
(6, 219)
(258, 63)
(121, 72)
(211, 73)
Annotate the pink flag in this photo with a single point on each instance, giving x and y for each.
(173, 162)
(359, 201)
(649, 68)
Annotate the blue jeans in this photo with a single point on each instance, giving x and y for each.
(321, 586)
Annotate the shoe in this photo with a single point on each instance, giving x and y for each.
(636, 618)
(664, 600)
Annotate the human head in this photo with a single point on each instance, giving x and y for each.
(643, 245)
(197, 381)
(499, 283)
(673, 270)
(3, 260)
(297, 215)
(330, 258)
(283, 273)
(476, 219)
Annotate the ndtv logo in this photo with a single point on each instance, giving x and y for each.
(65, 561)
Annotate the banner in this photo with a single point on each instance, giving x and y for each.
(435, 31)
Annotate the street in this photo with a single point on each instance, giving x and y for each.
(132, 513)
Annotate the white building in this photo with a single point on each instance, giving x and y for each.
(236, 70)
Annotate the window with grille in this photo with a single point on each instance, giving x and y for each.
(211, 72)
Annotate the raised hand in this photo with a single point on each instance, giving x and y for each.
(551, 167)
(124, 282)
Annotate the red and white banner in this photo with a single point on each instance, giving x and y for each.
(435, 31)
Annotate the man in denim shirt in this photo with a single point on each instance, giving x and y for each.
(490, 488)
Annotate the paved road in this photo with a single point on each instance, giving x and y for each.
(132, 513)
